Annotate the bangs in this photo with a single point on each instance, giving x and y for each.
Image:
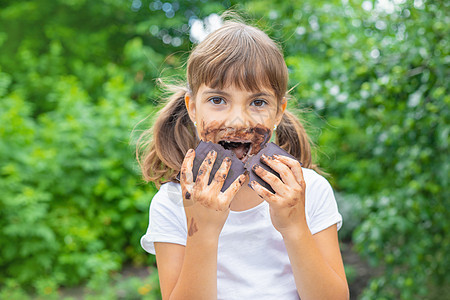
(246, 72)
(245, 57)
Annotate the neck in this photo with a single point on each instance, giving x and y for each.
(245, 198)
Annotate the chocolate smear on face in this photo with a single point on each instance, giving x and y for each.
(259, 135)
(209, 133)
(244, 142)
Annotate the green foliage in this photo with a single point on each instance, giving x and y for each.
(115, 287)
(76, 76)
(70, 197)
(379, 78)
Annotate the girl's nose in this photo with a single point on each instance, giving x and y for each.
(245, 120)
(239, 120)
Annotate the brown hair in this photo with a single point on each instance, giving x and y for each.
(237, 54)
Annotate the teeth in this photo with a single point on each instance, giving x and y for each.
(242, 142)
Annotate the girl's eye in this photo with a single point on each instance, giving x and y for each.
(216, 100)
(260, 102)
(219, 100)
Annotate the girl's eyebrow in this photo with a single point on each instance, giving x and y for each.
(226, 94)
(216, 92)
(260, 94)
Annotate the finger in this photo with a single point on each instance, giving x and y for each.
(205, 170)
(186, 168)
(278, 166)
(228, 195)
(264, 193)
(295, 166)
(276, 184)
(221, 175)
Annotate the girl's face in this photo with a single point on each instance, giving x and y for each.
(244, 118)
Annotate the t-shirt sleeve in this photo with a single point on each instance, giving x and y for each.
(167, 220)
(321, 204)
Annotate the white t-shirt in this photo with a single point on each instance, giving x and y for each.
(252, 261)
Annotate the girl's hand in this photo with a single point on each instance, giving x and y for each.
(206, 207)
(287, 205)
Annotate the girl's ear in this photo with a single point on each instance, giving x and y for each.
(280, 113)
(190, 106)
(283, 104)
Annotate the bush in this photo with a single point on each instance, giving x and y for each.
(70, 206)
(378, 75)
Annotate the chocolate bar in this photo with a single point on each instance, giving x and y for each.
(203, 148)
(268, 150)
(237, 166)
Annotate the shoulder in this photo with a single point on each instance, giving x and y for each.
(168, 196)
(167, 220)
(169, 190)
(167, 205)
(315, 181)
(319, 193)
(320, 204)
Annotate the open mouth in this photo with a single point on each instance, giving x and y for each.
(240, 148)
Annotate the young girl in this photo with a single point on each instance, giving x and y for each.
(244, 242)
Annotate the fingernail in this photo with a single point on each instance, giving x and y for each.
(264, 156)
(212, 152)
(276, 156)
(227, 159)
(255, 167)
(190, 151)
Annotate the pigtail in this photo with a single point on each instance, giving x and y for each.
(161, 149)
(292, 137)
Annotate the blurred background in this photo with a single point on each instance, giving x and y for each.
(77, 76)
